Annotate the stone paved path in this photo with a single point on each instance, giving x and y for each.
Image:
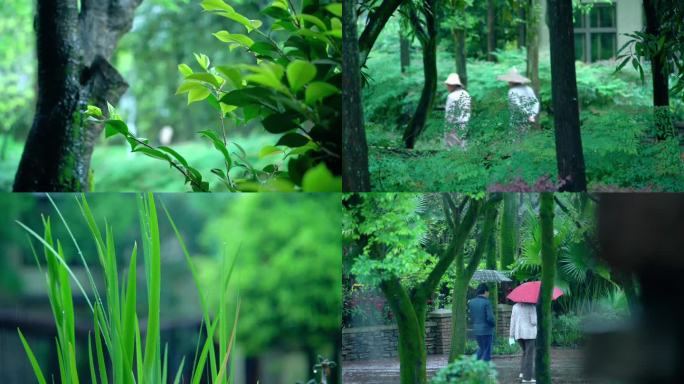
(566, 368)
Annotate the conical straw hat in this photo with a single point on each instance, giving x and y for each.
(453, 79)
(513, 77)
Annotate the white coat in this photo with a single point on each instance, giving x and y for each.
(524, 321)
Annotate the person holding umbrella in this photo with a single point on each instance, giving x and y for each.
(524, 324)
(482, 316)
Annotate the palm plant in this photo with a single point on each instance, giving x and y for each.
(115, 314)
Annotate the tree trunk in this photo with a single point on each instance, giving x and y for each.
(521, 28)
(72, 51)
(375, 24)
(569, 153)
(548, 271)
(461, 55)
(661, 90)
(412, 352)
(355, 160)
(429, 44)
(509, 233)
(491, 32)
(491, 258)
(458, 317)
(404, 52)
(532, 30)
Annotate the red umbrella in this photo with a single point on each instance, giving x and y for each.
(529, 293)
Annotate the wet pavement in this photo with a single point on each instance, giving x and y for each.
(566, 368)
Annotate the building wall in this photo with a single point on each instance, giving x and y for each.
(629, 19)
(363, 343)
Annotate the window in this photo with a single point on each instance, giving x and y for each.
(596, 33)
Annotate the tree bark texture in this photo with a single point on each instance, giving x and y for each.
(404, 52)
(569, 154)
(491, 30)
(461, 55)
(548, 271)
(355, 160)
(428, 40)
(532, 35)
(491, 258)
(73, 49)
(509, 230)
(376, 21)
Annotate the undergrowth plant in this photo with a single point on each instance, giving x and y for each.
(292, 89)
(120, 354)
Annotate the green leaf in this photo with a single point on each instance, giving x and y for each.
(114, 127)
(216, 5)
(280, 122)
(313, 20)
(293, 140)
(202, 60)
(320, 179)
(175, 155)
(319, 90)
(263, 48)
(94, 111)
(198, 94)
(266, 79)
(154, 153)
(32, 359)
(188, 85)
(233, 74)
(269, 150)
(335, 9)
(185, 70)
(237, 38)
(300, 73)
(218, 144)
(207, 78)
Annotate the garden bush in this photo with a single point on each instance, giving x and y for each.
(566, 331)
(466, 370)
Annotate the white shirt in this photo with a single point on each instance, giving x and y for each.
(524, 321)
(458, 107)
(522, 100)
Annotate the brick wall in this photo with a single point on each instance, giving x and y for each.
(378, 342)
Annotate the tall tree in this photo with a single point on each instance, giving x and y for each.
(509, 230)
(491, 263)
(569, 155)
(375, 23)
(425, 29)
(404, 51)
(464, 272)
(73, 49)
(491, 30)
(387, 231)
(533, 13)
(661, 94)
(548, 270)
(355, 160)
(457, 19)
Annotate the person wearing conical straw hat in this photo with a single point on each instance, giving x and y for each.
(522, 102)
(457, 113)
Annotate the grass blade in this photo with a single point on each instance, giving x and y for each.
(179, 372)
(34, 363)
(151, 363)
(224, 364)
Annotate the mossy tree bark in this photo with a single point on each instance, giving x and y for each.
(461, 54)
(491, 257)
(463, 274)
(509, 230)
(355, 160)
(491, 30)
(410, 305)
(532, 36)
(426, 33)
(73, 48)
(569, 153)
(548, 271)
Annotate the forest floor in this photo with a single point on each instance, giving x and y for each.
(566, 368)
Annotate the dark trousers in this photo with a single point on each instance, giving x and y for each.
(527, 361)
(484, 347)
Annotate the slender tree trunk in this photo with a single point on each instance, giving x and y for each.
(375, 24)
(491, 264)
(532, 34)
(404, 52)
(459, 320)
(427, 97)
(569, 154)
(491, 31)
(661, 91)
(355, 160)
(548, 256)
(72, 49)
(521, 28)
(509, 235)
(461, 55)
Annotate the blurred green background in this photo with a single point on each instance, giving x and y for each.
(287, 274)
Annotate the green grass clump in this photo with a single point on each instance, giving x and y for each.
(115, 315)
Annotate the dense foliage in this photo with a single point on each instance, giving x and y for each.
(466, 370)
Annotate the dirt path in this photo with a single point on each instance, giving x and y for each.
(566, 368)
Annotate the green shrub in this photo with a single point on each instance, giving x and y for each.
(566, 331)
(501, 347)
(466, 370)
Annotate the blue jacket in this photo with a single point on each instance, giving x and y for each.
(482, 316)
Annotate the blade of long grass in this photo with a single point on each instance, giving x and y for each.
(130, 309)
(208, 344)
(224, 364)
(98, 348)
(152, 346)
(179, 373)
(60, 360)
(52, 251)
(32, 359)
(114, 308)
(72, 365)
(94, 229)
(165, 364)
(91, 364)
(78, 248)
(138, 351)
